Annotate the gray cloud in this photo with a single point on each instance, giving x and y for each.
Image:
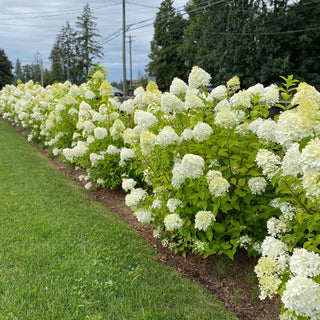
(28, 27)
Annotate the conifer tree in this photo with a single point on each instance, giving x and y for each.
(6, 76)
(166, 60)
(87, 46)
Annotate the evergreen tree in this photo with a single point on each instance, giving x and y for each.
(36, 68)
(87, 46)
(18, 70)
(6, 76)
(27, 72)
(166, 60)
(57, 63)
(67, 43)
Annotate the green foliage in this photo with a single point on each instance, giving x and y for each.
(253, 39)
(166, 62)
(86, 44)
(6, 76)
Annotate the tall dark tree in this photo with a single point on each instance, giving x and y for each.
(27, 72)
(166, 60)
(18, 70)
(87, 46)
(305, 45)
(67, 43)
(37, 68)
(6, 76)
(57, 63)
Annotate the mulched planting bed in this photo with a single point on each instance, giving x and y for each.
(227, 281)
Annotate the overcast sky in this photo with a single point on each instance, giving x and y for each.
(31, 26)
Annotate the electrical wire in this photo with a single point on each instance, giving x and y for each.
(49, 14)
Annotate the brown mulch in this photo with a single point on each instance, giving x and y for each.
(234, 289)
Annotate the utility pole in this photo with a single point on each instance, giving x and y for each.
(124, 48)
(41, 72)
(130, 51)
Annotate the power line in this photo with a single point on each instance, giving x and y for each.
(49, 14)
(141, 5)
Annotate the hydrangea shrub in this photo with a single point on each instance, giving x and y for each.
(211, 171)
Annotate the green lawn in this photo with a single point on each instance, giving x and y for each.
(65, 256)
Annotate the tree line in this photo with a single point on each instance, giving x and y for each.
(257, 40)
(71, 56)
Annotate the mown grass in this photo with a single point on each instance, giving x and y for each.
(65, 256)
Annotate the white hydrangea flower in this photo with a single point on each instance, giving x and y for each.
(89, 95)
(244, 241)
(287, 209)
(173, 204)
(192, 165)
(257, 185)
(268, 161)
(80, 149)
(234, 83)
(95, 158)
(267, 130)
(156, 233)
(129, 136)
(100, 133)
(147, 142)
(178, 87)
(156, 204)
(269, 272)
(106, 89)
(128, 184)
(172, 222)
(229, 118)
(291, 162)
(304, 263)
(242, 129)
(144, 119)
(311, 184)
(202, 131)
(186, 135)
(117, 129)
(223, 104)
(275, 249)
(218, 186)
(88, 127)
(138, 91)
(294, 126)
(88, 186)
(127, 106)
(68, 154)
(302, 295)
(100, 181)
(256, 89)
(242, 98)
(126, 154)
(169, 103)
(286, 315)
(198, 77)
(56, 151)
(271, 95)
(211, 174)
(310, 156)
(178, 177)
(276, 226)
(218, 93)
(203, 220)
(167, 136)
(143, 215)
(193, 102)
(135, 196)
(112, 149)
